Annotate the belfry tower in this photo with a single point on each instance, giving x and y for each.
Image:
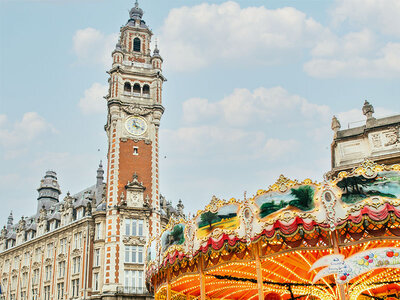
(134, 113)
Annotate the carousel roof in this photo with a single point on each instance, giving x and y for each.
(292, 240)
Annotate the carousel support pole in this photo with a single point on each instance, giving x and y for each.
(256, 249)
(202, 278)
(169, 295)
(336, 250)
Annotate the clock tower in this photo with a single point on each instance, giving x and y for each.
(134, 113)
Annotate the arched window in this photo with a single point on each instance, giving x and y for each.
(127, 88)
(136, 89)
(146, 90)
(136, 44)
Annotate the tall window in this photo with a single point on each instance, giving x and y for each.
(98, 231)
(47, 271)
(14, 282)
(96, 257)
(23, 295)
(50, 250)
(63, 245)
(95, 281)
(24, 279)
(60, 290)
(134, 281)
(61, 269)
(134, 254)
(26, 258)
(16, 262)
(35, 277)
(76, 264)
(136, 44)
(134, 227)
(47, 292)
(35, 294)
(37, 253)
(77, 240)
(75, 287)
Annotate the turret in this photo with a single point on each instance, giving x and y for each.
(49, 191)
(10, 221)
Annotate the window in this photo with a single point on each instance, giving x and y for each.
(134, 281)
(63, 245)
(135, 150)
(95, 281)
(24, 279)
(61, 269)
(136, 44)
(79, 213)
(26, 258)
(134, 227)
(16, 262)
(35, 277)
(50, 250)
(60, 290)
(37, 253)
(136, 89)
(47, 292)
(23, 295)
(12, 297)
(127, 88)
(14, 282)
(47, 271)
(75, 287)
(134, 254)
(35, 294)
(53, 225)
(77, 240)
(98, 231)
(76, 265)
(96, 257)
(146, 90)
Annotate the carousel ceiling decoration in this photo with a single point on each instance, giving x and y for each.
(290, 240)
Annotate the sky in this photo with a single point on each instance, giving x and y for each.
(251, 91)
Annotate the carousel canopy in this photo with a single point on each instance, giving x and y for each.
(295, 240)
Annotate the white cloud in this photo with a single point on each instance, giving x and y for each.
(244, 107)
(333, 59)
(194, 37)
(93, 101)
(93, 46)
(381, 15)
(246, 125)
(31, 126)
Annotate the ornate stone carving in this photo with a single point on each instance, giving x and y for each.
(76, 252)
(137, 110)
(134, 240)
(392, 136)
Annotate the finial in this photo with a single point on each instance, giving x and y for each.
(244, 196)
(135, 176)
(367, 110)
(335, 125)
(101, 164)
(10, 219)
(136, 3)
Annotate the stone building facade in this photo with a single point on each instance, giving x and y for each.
(91, 244)
(377, 140)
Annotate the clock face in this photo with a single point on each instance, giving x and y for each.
(136, 125)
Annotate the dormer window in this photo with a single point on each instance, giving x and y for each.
(136, 44)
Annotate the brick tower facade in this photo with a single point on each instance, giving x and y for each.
(134, 113)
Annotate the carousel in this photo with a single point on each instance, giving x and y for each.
(338, 239)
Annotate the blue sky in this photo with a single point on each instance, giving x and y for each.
(252, 87)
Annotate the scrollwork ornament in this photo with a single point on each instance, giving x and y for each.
(137, 110)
